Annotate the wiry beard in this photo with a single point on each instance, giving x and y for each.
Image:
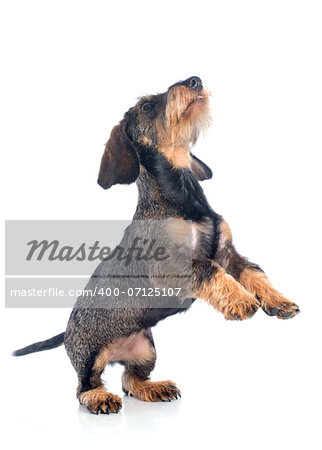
(187, 115)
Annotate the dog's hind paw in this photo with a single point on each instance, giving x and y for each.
(99, 401)
(152, 391)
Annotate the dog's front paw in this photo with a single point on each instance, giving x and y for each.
(279, 306)
(231, 298)
(271, 301)
(240, 309)
(99, 401)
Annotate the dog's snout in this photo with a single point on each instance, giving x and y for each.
(193, 83)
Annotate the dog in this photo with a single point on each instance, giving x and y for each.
(152, 147)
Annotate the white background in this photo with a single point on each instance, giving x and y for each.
(70, 69)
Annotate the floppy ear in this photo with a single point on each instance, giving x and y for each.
(120, 162)
(200, 169)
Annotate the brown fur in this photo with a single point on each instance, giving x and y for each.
(150, 391)
(225, 294)
(98, 368)
(272, 302)
(145, 141)
(178, 156)
(129, 349)
(186, 116)
(100, 401)
(226, 235)
(133, 349)
(120, 163)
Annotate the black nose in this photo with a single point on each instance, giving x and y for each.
(193, 83)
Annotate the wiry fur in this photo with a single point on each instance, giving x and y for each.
(152, 146)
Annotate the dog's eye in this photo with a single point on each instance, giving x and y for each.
(147, 107)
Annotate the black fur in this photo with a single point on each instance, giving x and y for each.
(48, 344)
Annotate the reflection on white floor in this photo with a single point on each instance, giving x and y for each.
(245, 385)
(134, 414)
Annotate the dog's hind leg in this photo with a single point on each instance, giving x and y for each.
(89, 363)
(91, 391)
(135, 379)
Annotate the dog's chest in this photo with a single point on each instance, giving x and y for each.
(201, 236)
(195, 237)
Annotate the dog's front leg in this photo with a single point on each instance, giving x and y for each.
(252, 278)
(212, 283)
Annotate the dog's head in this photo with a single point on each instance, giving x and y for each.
(168, 123)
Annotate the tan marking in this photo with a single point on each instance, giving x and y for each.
(179, 230)
(229, 297)
(185, 232)
(226, 235)
(178, 156)
(135, 347)
(194, 237)
(145, 141)
(204, 228)
(258, 284)
(100, 401)
(150, 391)
(101, 360)
(224, 251)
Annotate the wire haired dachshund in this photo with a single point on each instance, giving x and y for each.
(152, 147)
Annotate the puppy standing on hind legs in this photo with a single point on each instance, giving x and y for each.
(152, 146)
(136, 353)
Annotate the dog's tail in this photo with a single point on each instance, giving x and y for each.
(53, 342)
